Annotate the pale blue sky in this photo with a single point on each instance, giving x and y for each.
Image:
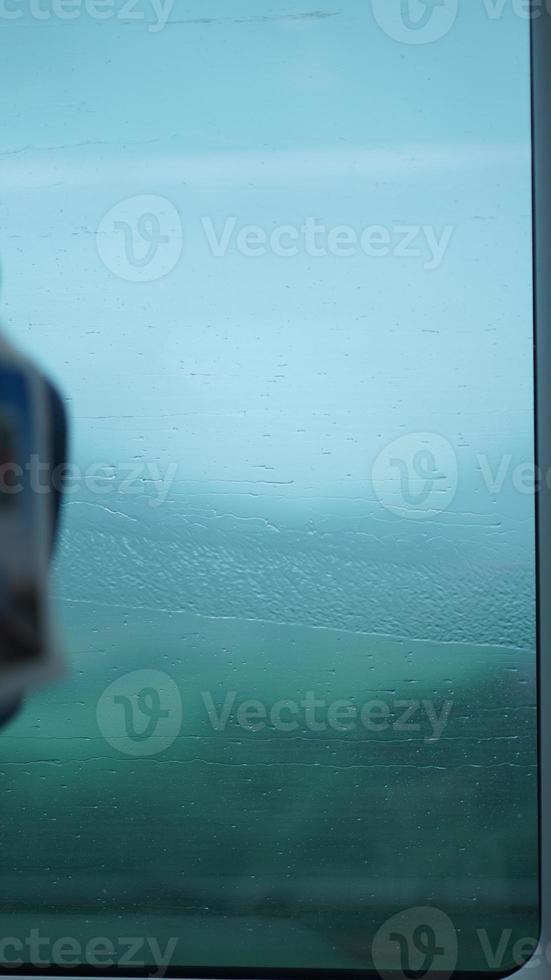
(305, 366)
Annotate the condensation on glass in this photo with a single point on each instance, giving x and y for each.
(278, 258)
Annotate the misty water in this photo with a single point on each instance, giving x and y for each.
(301, 506)
(272, 846)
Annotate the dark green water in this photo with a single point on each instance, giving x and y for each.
(270, 847)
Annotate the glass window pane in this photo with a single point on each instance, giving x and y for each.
(278, 258)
